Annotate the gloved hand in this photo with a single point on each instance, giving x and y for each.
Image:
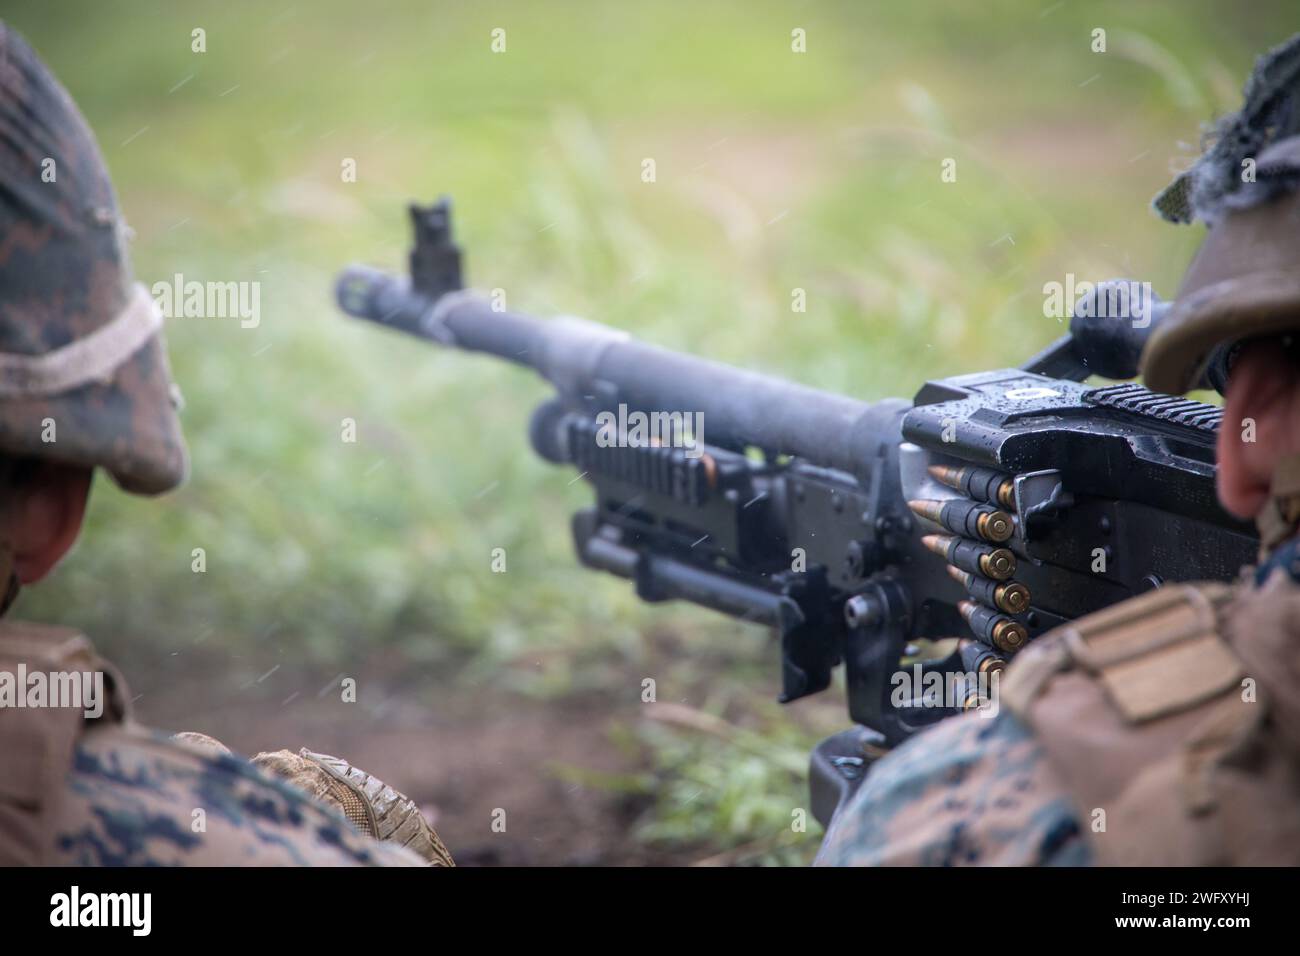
(372, 806)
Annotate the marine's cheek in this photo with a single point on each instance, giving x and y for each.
(1261, 427)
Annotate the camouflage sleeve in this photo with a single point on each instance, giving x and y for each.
(138, 798)
(974, 790)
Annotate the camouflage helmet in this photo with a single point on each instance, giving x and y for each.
(1244, 280)
(84, 378)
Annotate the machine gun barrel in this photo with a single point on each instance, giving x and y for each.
(589, 361)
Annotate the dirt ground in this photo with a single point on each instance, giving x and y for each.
(485, 750)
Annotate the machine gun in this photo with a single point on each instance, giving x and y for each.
(995, 505)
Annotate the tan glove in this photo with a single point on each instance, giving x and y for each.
(372, 806)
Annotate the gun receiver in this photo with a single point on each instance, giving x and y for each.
(993, 506)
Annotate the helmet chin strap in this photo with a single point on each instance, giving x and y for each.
(8, 578)
(1280, 518)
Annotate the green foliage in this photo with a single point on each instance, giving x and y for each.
(742, 793)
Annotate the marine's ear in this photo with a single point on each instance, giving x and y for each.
(43, 517)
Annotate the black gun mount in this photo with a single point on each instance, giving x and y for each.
(998, 504)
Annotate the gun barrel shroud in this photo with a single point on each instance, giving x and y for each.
(586, 359)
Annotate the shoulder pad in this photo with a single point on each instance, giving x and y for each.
(1154, 655)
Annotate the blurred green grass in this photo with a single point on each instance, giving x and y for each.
(775, 171)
